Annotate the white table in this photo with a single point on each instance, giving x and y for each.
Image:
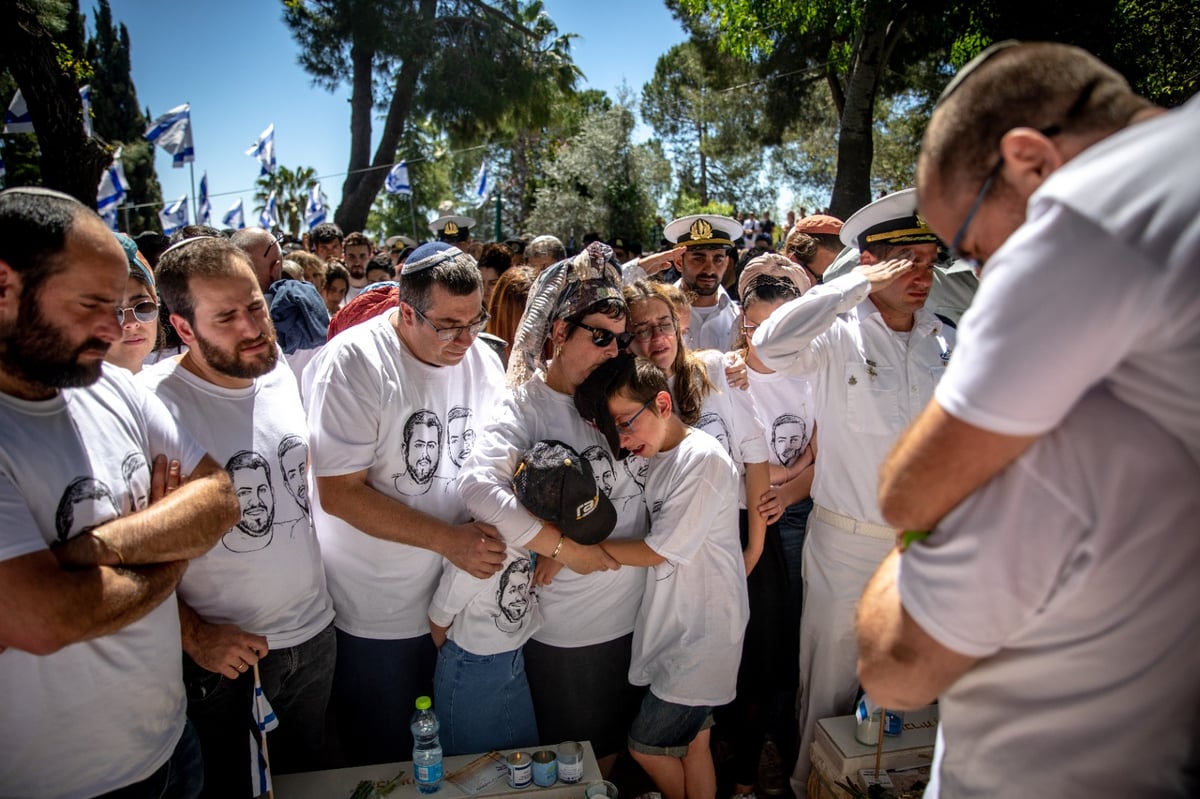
(340, 783)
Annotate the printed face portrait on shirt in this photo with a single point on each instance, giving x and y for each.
(86, 503)
(422, 446)
(715, 426)
(293, 464)
(787, 438)
(460, 437)
(512, 593)
(137, 479)
(251, 477)
(602, 468)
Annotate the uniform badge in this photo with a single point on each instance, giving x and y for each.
(700, 229)
(450, 229)
(853, 380)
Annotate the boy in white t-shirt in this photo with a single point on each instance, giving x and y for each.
(480, 689)
(687, 642)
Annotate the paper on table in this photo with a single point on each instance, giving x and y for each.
(481, 773)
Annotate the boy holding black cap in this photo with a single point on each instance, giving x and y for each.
(687, 641)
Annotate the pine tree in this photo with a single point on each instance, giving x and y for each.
(118, 118)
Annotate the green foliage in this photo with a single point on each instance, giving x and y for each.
(600, 180)
(291, 187)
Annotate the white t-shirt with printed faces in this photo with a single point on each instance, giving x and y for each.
(265, 575)
(688, 640)
(868, 382)
(487, 617)
(579, 610)
(1100, 283)
(104, 713)
(729, 415)
(786, 410)
(376, 407)
(1072, 577)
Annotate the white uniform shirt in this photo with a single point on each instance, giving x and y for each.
(730, 416)
(712, 327)
(868, 380)
(786, 410)
(99, 714)
(371, 403)
(688, 640)
(579, 610)
(1100, 283)
(1072, 574)
(487, 617)
(265, 575)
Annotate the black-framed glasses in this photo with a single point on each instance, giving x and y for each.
(145, 312)
(448, 334)
(626, 427)
(274, 241)
(602, 337)
(662, 328)
(962, 230)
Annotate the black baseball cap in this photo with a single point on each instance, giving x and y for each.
(555, 484)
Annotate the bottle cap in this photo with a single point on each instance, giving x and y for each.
(424, 703)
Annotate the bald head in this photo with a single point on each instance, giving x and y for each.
(264, 253)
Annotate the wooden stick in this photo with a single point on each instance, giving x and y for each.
(263, 736)
(878, 746)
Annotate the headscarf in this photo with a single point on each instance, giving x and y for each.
(561, 291)
(139, 267)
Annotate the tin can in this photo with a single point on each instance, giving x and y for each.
(570, 761)
(545, 768)
(520, 770)
(893, 722)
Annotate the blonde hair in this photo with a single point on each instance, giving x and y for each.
(691, 376)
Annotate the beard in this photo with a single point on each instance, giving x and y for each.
(37, 351)
(258, 524)
(422, 471)
(231, 363)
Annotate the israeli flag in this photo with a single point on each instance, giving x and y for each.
(174, 216)
(397, 180)
(314, 211)
(235, 217)
(18, 120)
(112, 190)
(269, 218)
(483, 184)
(264, 150)
(203, 207)
(173, 132)
(265, 720)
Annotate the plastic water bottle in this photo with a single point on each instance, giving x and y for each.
(427, 749)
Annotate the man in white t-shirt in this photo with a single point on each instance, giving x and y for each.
(357, 250)
(1056, 613)
(89, 634)
(380, 396)
(708, 241)
(1084, 202)
(874, 354)
(259, 597)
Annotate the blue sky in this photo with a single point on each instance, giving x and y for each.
(235, 62)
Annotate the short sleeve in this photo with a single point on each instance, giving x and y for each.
(344, 412)
(679, 526)
(164, 433)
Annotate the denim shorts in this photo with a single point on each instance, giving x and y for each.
(665, 728)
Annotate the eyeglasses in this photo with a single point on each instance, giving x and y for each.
(979, 198)
(270, 246)
(602, 337)
(448, 334)
(648, 332)
(626, 427)
(749, 327)
(144, 312)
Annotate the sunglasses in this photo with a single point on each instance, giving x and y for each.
(144, 312)
(602, 337)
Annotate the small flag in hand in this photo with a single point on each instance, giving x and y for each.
(264, 721)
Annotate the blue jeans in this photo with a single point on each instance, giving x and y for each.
(375, 690)
(667, 728)
(296, 681)
(482, 701)
(792, 525)
(181, 777)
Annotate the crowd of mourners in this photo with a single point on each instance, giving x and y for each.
(681, 504)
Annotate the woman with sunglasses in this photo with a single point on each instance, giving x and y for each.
(578, 662)
(705, 399)
(138, 314)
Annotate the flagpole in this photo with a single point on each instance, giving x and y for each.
(195, 205)
(412, 209)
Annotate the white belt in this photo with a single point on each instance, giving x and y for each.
(852, 525)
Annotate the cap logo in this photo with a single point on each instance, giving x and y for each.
(585, 510)
(921, 220)
(700, 229)
(450, 229)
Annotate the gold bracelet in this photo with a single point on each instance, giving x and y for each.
(107, 545)
(561, 537)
